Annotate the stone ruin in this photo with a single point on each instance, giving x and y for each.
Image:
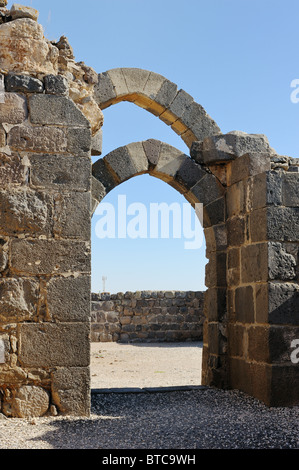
(50, 125)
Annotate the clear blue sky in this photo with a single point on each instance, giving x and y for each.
(237, 58)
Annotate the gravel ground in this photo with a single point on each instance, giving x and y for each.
(197, 419)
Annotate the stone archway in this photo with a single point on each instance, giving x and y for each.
(50, 125)
(159, 96)
(197, 185)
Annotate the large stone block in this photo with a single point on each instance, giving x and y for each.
(236, 230)
(283, 223)
(244, 304)
(20, 11)
(23, 84)
(79, 141)
(283, 303)
(120, 162)
(254, 263)
(166, 94)
(56, 85)
(190, 173)
(37, 139)
(13, 109)
(25, 49)
(12, 170)
(199, 122)
(152, 149)
(223, 148)
(49, 256)
(56, 110)
(60, 172)
(103, 174)
(104, 91)
(71, 390)
(28, 401)
(48, 345)
(135, 79)
(290, 189)
(19, 298)
(69, 299)
(138, 157)
(282, 265)
(207, 190)
(170, 161)
(72, 215)
(248, 165)
(24, 211)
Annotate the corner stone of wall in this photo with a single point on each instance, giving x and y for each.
(147, 316)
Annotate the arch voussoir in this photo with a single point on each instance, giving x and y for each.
(159, 96)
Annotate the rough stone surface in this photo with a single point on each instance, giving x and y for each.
(24, 48)
(38, 139)
(13, 110)
(219, 148)
(55, 110)
(20, 11)
(23, 84)
(56, 85)
(147, 316)
(29, 401)
(68, 299)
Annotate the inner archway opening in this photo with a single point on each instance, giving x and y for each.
(148, 270)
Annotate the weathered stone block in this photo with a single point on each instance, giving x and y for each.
(20, 11)
(71, 390)
(97, 143)
(23, 84)
(37, 139)
(207, 190)
(283, 303)
(236, 335)
(56, 85)
(138, 157)
(120, 162)
(49, 256)
(290, 189)
(69, 299)
(236, 228)
(280, 343)
(56, 110)
(135, 79)
(283, 223)
(79, 141)
(233, 267)
(37, 54)
(104, 92)
(59, 171)
(214, 212)
(250, 164)
(235, 197)
(222, 148)
(118, 81)
(12, 170)
(13, 110)
(19, 298)
(199, 122)
(244, 304)
(72, 215)
(29, 401)
(166, 94)
(24, 211)
(254, 263)
(54, 345)
(102, 173)
(152, 150)
(258, 343)
(282, 265)
(190, 173)
(2, 137)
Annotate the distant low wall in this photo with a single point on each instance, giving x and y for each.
(148, 316)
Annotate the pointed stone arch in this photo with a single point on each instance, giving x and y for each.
(198, 185)
(159, 96)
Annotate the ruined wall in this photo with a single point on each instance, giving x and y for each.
(46, 137)
(147, 316)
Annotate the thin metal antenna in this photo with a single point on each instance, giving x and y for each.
(104, 279)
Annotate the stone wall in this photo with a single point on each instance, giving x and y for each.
(147, 316)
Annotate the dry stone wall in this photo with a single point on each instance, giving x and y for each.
(148, 316)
